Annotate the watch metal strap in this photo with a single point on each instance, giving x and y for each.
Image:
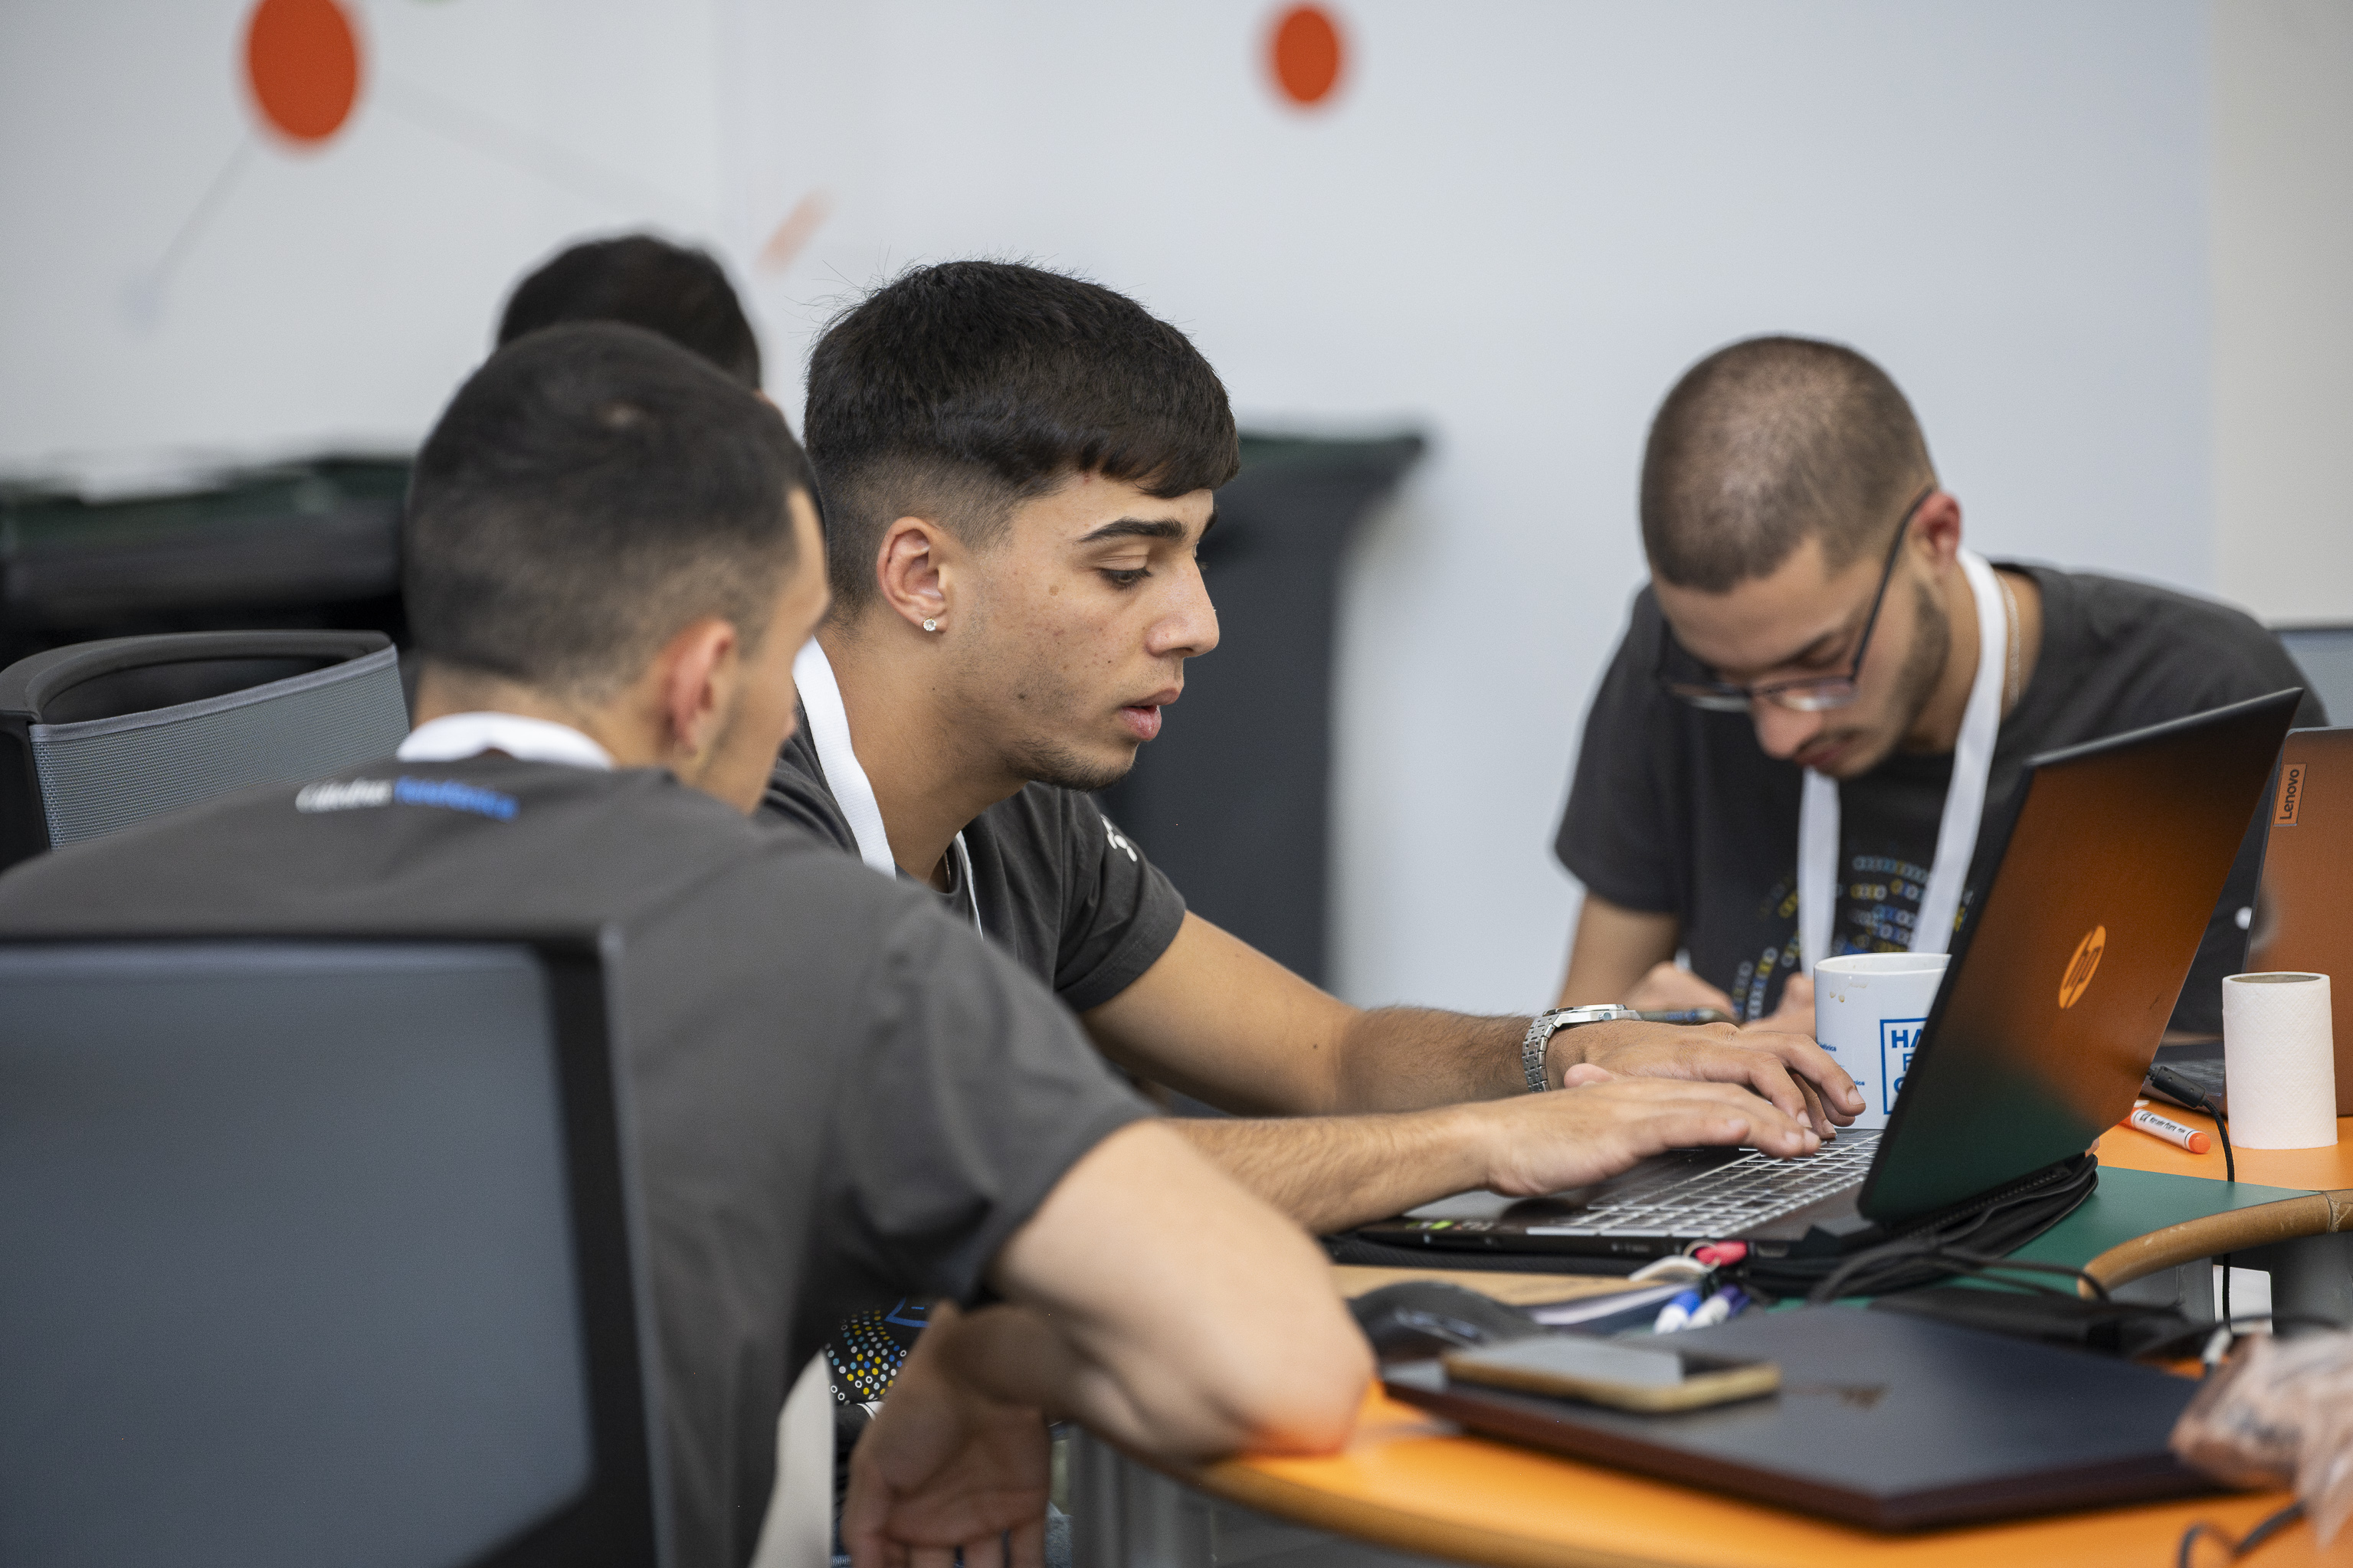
(1536, 1044)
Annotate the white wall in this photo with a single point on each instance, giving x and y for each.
(2284, 305)
(334, 295)
(1514, 229)
(1518, 222)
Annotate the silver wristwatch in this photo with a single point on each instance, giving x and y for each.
(1545, 1025)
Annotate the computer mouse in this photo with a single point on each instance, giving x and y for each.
(1419, 1319)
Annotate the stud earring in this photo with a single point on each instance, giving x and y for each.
(931, 626)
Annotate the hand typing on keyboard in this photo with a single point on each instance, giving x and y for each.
(1600, 1125)
(1798, 1076)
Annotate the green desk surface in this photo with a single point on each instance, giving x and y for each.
(2129, 1203)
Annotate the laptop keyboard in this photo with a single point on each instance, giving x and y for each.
(1753, 1190)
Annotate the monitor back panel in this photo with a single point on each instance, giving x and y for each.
(2304, 919)
(291, 1269)
(2061, 984)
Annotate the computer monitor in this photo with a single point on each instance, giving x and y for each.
(315, 1252)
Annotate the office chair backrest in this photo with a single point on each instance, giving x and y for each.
(2324, 654)
(101, 736)
(315, 1252)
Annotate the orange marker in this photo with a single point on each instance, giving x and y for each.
(2156, 1126)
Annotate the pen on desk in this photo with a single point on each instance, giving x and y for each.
(1718, 1307)
(1686, 1016)
(2156, 1126)
(1676, 1313)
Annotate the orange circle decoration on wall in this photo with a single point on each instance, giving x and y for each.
(2081, 968)
(1307, 54)
(302, 63)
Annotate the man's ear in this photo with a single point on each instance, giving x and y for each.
(696, 687)
(914, 571)
(1937, 525)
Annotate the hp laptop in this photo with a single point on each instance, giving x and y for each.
(2051, 1011)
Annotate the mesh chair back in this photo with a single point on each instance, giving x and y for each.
(114, 732)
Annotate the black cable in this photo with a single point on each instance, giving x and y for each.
(2229, 1174)
(1896, 1258)
(2189, 1093)
(2263, 1530)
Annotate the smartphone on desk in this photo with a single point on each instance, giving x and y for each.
(1626, 1376)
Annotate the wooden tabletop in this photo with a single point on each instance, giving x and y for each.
(1412, 1482)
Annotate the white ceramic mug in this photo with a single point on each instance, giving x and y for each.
(1869, 1011)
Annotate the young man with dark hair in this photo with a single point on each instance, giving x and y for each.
(682, 293)
(1018, 468)
(1821, 694)
(838, 1095)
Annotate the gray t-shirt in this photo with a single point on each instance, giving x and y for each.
(1069, 895)
(840, 1096)
(1674, 810)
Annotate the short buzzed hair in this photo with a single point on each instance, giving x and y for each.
(591, 491)
(1768, 443)
(675, 290)
(957, 390)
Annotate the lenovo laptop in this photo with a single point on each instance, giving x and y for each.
(2303, 920)
(2051, 1011)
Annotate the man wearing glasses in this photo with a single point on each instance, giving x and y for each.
(1821, 694)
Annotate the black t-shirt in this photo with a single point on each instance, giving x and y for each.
(1676, 810)
(838, 1096)
(1069, 895)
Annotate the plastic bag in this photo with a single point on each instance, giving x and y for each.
(2279, 1413)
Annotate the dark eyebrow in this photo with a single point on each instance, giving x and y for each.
(1136, 528)
(1811, 651)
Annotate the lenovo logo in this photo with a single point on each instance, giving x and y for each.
(2291, 796)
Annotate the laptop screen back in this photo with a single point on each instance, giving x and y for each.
(290, 1271)
(2061, 984)
(2302, 919)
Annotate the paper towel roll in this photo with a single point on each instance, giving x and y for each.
(2279, 1061)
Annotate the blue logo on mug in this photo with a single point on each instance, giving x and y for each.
(1898, 1039)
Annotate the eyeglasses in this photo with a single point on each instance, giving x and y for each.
(1811, 696)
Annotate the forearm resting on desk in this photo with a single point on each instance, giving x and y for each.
(1172, 1313)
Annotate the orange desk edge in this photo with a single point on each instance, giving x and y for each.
(1410, 1482)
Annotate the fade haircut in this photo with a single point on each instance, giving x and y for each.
(1768, 443)
(590, 492)
(956, 392)
(667, 288)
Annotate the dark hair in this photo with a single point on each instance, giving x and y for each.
(1770, 442)
(956, 392)
(683, 294)
(588, 492)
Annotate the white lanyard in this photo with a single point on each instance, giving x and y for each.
(828, 722)
(1957, 836)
